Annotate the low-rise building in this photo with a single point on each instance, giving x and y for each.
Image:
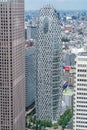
(68, 97)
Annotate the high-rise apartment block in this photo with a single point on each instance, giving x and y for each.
(49, 70)
(80, 98)
(12, 69)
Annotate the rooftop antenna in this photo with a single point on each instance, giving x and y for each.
(48, 2)
(51, 3)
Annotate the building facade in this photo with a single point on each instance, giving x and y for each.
(30, 74)
(80, 98)
(12, 69)
(32, 32)
(69, 59)
(49, 70)
(68, 98)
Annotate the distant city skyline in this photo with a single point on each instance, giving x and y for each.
(58, 4)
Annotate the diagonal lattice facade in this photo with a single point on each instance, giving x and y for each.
(49, 66)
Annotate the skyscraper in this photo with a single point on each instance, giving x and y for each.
(80, 98)
(49, 70)
(12, 69)
(30, 74)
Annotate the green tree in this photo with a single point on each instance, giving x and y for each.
(36, 125)
(40, 127)
(63, 126)
(55, 126)
(65, 118)
(49, 124)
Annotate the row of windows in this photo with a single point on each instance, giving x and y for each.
(82, 89)
(82, 93)
(56, 59)
(80, 126)
(84, 110)
(82, 59)
(81, 84)
(82, 102)
(81, 97)
(81, 114)
(81, 65)
(82, 118)
(82, 70)
(55, 97)
(84, 80)
(82, 122)
(81, 75)
(82, 106)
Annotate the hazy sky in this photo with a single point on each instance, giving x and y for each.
(58, 4)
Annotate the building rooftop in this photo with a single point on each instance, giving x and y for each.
(68, 92)
(29, 43)
(82, 54)
(76, 50)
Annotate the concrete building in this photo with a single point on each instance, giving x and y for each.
(49, 66)
(26, 24)
(69, 59)
(68, 98)
(31, 32)
(80, 98)
(30, 74)
(26, 34)
(12, 65)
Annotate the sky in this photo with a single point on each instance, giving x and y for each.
(58, 4)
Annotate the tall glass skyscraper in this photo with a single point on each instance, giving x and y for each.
(49, 66)
(30, 74)
(12, 69)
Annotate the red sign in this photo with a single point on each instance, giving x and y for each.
(67, 68)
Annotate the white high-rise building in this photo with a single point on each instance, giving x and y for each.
(49, 66)
(80, 97)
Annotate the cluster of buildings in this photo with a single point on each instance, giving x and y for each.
(74, 56)
(33, 68)
(74, 38)
(33, 71)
